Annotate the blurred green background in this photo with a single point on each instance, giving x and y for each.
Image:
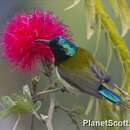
(11, 80)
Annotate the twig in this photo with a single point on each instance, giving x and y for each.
(16, 123)
(53, 84)
(52, 101)
(48, 71)
(50, 112)
(35, 81)
(49, 91)
(71, 114)
(41, 117)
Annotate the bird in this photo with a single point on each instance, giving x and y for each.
(79, 68)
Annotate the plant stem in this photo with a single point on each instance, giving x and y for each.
(49, 91)
(16, 123)
(34, 91)
(70, 113)
(50, 112)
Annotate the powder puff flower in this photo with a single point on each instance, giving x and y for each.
(20, 33)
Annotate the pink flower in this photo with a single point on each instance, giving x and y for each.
(20, 33)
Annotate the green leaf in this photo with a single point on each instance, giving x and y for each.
(90, 16)
(37, 105)
(119, 43)
(5, 113)
(7, 101)
(22, 105)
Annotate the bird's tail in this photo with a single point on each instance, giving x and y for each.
(118, 97)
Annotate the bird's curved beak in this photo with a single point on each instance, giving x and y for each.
(42, 41)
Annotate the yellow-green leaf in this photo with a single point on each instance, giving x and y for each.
(121, 9)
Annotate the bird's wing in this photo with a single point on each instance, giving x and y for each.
(85, 84)
(80, 71)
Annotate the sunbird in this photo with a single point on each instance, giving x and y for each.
(79, 68)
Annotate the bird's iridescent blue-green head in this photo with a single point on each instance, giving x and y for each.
(61, 47)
